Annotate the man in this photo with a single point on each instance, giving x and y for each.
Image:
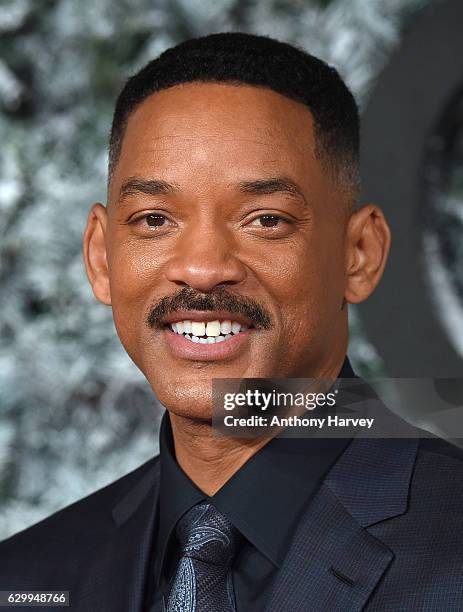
(230, 247)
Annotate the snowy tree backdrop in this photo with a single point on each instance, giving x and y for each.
(75, 413)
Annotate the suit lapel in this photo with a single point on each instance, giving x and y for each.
(117, 571)
(334, 563)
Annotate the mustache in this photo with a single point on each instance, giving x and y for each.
(219, 299)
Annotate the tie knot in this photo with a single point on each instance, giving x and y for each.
(205, 534)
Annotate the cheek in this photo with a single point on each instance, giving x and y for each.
(133, 274)
(306, 285)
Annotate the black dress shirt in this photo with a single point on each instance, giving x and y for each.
(264, 500)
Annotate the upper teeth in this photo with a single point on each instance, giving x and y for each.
(211, 328)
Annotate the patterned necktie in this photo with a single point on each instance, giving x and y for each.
(203, 582)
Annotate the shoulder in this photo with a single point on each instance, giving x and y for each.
(441, 450)
(90, 513)
(436, 490)
(427, 538)
(440, 464)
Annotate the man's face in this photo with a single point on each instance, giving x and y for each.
(220, 211)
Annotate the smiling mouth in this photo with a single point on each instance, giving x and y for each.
(208, 332)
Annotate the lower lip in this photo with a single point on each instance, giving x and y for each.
(186, 349)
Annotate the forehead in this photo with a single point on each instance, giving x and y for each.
(217, 132)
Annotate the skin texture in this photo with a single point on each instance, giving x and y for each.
(206, 140)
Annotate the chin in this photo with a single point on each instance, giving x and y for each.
(200, 413)
(193, 401)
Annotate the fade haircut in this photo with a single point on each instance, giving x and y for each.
(246, 59)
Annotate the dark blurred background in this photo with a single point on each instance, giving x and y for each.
(75, 413)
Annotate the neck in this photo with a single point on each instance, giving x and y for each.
(209, 460)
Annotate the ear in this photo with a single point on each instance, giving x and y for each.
(94, 251)
(368, 243)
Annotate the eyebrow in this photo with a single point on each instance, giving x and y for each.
(267, 186)
(152, 187)
(273, 185)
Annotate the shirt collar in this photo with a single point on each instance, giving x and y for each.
(263, 499)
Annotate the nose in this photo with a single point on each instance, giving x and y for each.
(205, 259)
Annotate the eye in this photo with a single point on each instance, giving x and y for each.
(271, 225)
(152, 224)
(151, 220)
(269, 220)
(154, 220)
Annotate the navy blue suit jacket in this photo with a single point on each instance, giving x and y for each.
(384, 532)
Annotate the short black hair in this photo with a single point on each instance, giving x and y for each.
(239, 58)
